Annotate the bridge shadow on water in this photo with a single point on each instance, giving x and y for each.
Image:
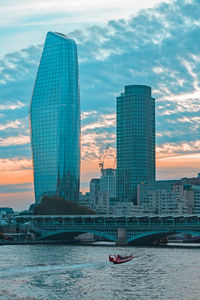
(147, 239)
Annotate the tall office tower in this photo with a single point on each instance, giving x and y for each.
(135, 140)
(55, 120)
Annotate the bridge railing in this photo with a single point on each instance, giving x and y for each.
(113, 221)
(114, 226)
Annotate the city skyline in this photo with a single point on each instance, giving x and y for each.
(145, 48)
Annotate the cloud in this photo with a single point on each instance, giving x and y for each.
(93, 144)
(11, 106)
(104, 121)
(158, 47)
(40, 13)
(15, 164)
(128, 51)
(85, 114)
(14, 124)
(173, 149)
(15, 140)
(98, 131)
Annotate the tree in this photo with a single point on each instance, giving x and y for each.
(59, 206)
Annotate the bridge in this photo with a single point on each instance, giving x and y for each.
(142, 229)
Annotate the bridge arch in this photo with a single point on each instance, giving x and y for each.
(150, 237)
(110, 235)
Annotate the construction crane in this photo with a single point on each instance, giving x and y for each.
(101, 159)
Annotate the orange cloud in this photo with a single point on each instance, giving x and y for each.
(15, 164)
(91, 147)
(15, 140)
(173, 149)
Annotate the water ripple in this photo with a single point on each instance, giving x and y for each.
(54, 272)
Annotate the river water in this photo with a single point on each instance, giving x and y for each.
(83, 272)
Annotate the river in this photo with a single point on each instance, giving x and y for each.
(83, 272)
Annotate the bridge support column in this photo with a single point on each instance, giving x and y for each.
(121, 236)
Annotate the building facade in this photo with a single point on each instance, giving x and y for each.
(99, 199)
(94, 189)
(108, 181)
(192, 192)
(196, 209)
(162, 197)
(125, 209)
(102, 203)
(135, 140)
(85, 200)
(55, 120)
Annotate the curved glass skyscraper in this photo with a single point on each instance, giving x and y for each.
(55, 120)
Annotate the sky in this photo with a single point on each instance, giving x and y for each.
(150, 42)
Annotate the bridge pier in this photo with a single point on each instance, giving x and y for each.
(121, 237)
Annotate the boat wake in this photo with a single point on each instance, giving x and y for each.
(50, 269)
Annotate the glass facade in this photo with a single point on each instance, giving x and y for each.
(108, 181)
(55, 120)
(135, 140)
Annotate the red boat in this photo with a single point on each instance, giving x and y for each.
(118, 259)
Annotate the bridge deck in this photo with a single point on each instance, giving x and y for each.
(112, 227)
(112, 221)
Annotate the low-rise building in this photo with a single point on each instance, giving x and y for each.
(192, 193)
(102, 203)
(125, 208)
(85, 200)
(162, 197)
(196, 207)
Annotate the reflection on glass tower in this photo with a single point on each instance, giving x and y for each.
(135, 140)
(55, 120)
